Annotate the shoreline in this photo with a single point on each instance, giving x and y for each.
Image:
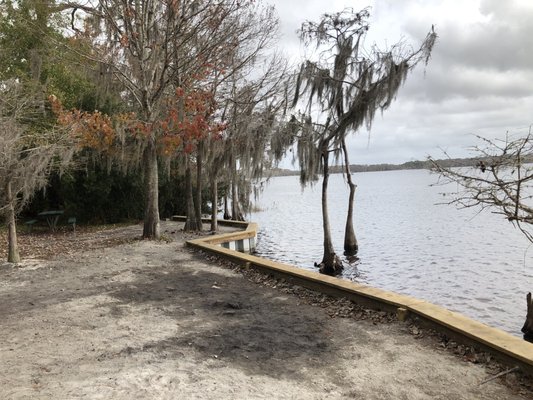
(508, 348)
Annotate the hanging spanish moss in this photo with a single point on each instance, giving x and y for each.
(344, 85)
(252, 143)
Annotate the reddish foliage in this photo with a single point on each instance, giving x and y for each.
(186, 120)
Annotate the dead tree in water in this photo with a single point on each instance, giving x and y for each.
(502, 181)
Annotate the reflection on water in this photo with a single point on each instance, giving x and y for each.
(474, 263)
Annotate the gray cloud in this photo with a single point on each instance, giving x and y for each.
(492, 57)
(478, 82)
(444, 81)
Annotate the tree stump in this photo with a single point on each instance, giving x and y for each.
(527, 329)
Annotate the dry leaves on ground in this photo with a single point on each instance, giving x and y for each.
(43, 244)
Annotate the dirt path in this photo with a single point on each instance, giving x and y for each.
(146, 320)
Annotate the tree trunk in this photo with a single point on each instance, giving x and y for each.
(236, 214)
(331, 263)
(151, 228)
(190, 223)
(13, 255)
(234, 201)
(350, 241)
(527, 329)
(214, 204)
(226, 208)
(198, 197)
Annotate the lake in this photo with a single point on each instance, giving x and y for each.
(468, 261)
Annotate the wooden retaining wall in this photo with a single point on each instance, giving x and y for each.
(507, 348)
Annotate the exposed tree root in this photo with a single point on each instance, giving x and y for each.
(331, 265)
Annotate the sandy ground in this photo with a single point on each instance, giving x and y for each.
(153, 320)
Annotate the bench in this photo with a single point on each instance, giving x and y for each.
(72, 221)
(30, 224)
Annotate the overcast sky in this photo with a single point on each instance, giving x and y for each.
(478, 82)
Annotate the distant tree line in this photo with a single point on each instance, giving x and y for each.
(427, 164)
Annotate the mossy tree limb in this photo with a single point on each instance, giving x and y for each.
(344, 84)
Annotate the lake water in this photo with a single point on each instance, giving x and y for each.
(475, 263)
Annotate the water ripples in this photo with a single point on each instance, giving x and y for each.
(463, 260)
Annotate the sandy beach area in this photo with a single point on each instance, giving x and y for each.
(108, 316)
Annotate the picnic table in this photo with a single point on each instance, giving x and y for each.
(51, 216)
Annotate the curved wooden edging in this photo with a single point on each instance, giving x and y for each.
(509, 349)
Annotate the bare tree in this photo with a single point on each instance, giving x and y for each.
(27, 154)
(502, 181)
(345, 84)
